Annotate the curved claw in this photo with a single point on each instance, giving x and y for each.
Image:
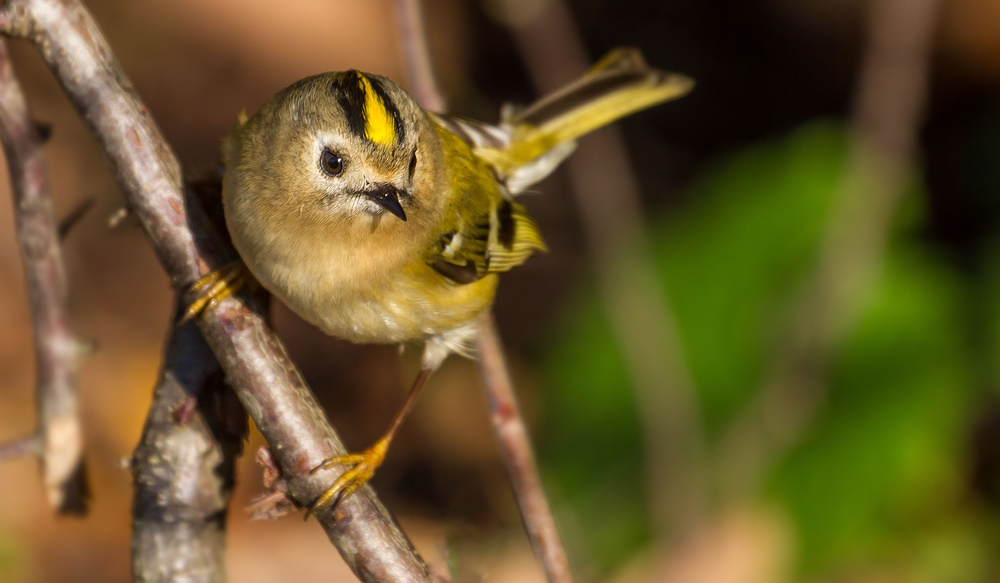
(363, 466)
(216, 286)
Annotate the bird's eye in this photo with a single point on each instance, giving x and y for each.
(413, 165)
(332, 164)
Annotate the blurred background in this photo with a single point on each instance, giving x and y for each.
(761, 349)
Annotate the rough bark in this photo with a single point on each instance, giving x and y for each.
(183, 467)
(58, 441)
(266, 381)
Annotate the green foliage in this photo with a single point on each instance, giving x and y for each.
(877, 476)
(593, 444)
(733, 258)
(984, 316)
(880, 465)
(750, 230)
(8, 558)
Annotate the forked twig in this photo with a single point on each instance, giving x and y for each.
(59, 439)
(267, 383)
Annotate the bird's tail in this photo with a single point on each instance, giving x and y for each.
(618, 85)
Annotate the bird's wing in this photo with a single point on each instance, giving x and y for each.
(483, 230)
(474, 133)
(475, 245)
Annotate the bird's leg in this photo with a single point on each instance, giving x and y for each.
(363, 465)
(215, 286)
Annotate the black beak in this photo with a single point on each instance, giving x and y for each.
(387, 195)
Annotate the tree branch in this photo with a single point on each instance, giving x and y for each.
(515, 445)
(417, 55)
(267, 383)
(20, 447)
(59, 438)
(183, 468)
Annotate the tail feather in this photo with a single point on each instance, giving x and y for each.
(616, 86)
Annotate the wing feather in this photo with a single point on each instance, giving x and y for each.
(500, 240)
(484, 230)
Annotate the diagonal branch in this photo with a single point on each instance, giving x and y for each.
(59, 438)
(183, 468)
(267, 383)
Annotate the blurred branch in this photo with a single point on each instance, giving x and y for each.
(59, 438)
(23, 446)
(887, 114)
(267, 383)
(183, 468)
(610, 208)
(417, 55)
(515, 445)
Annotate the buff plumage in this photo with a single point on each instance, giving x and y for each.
(380, 222)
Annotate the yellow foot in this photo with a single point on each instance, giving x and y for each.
(362, 468)
(216, 286)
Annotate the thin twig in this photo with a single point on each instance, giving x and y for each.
(518, 454)
(60, 437)
(610, 208)
(71, 220)
(25, 446)
(183, 468)
(267, 383)
(888, 111)
(417, 55)
(508, 424)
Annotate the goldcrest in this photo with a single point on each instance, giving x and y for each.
(380, 222)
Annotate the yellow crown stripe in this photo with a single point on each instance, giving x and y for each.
(380, 127)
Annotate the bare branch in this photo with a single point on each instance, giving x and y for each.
(608, 198)
(25, 446)
(888, 111)
(75, 216)
(518, 454)
(183, 469)
(266, 381)
(60, 437)
(417, 55)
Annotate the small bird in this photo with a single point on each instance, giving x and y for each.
(380, 222)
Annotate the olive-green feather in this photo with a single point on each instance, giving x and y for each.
(483, 227)
(510, 250)
(618, 85)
